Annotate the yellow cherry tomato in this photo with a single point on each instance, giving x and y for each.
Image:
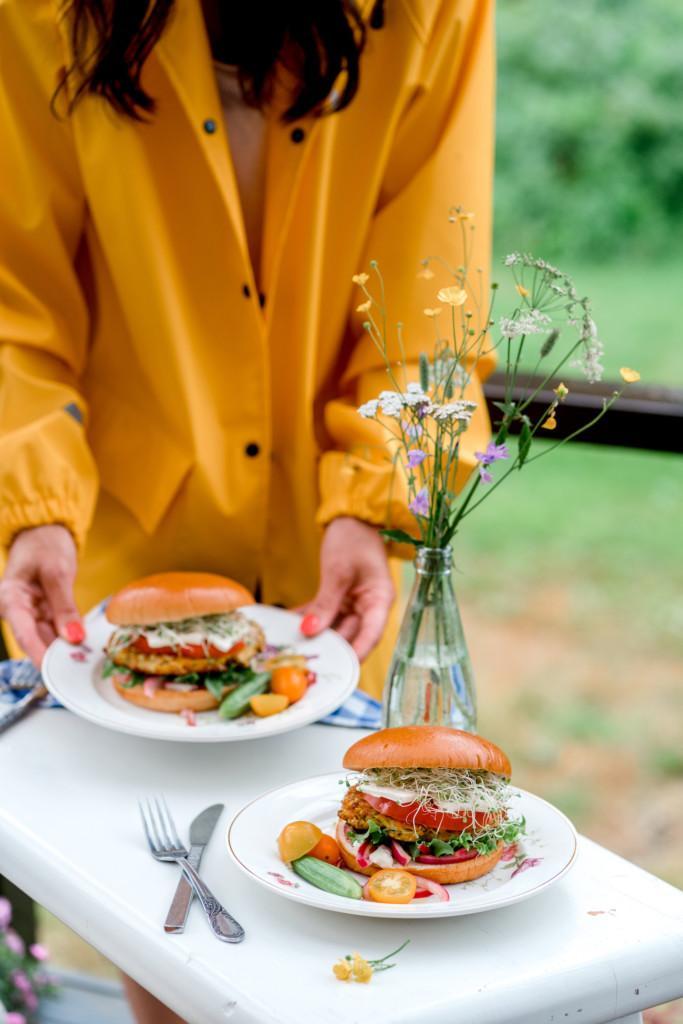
(297, 839)
(391, 885)
(327, 849)
(264, 704)
(289, 681)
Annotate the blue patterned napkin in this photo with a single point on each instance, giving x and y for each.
(17, 676)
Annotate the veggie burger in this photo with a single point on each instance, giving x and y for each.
(180, 641)
(429, 799)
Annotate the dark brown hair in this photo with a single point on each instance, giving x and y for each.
(318, 40)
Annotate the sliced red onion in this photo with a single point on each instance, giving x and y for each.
(453, 858)
(425, 887)
(122, 678)
(181, 687)
(189, 716)
(400, 855)
(151, 685)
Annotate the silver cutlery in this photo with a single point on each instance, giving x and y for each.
(165, 845)
(201, 831)
(19, 709)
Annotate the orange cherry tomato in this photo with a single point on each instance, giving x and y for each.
(391, 885)
(290, 682)
(264, 704)
(297, 839)
(326, 849)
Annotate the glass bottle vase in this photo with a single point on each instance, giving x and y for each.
(430, 679)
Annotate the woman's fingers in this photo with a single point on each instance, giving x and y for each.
(373, 619)
(57, 581)
(18, 609)
(348, 627)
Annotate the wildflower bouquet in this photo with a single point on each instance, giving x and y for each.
(426, 419)
(23, 979)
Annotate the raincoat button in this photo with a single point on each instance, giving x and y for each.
(246, 291)
(210, 126)
(252, 450)
(298, 135)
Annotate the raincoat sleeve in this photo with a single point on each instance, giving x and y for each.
(441, 157)
(47, 473)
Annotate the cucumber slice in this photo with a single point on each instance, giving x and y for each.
(328, 877)
(237, 702)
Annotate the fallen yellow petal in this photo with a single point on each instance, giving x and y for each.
(550, 423)
(342, 970)
(432, 312)
(362, 971)
(629, 375)
(522, 290)
(364, 306)
(453, 296)
(360, 278)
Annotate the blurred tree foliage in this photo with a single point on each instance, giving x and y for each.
(590, 128)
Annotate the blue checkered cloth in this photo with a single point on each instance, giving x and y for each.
(18, 676)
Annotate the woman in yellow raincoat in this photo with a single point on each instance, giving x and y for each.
(180, 355)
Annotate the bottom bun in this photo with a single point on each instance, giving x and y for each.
(168, 700)
(446, 874)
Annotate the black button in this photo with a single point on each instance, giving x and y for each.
(298, 135)
(252, 450)
(246, 291)
(210, 126)
(261, 299)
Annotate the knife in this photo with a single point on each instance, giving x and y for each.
(201, 830)
(19, 709)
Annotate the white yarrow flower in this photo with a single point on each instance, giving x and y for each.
(531, 321)
(391, 403)
(369, 410)
(461, 410)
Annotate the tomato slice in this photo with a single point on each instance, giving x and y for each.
(391, 885)
(142, 645)
(429, 817)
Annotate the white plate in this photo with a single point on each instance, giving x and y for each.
(74, 677)
(543, 856)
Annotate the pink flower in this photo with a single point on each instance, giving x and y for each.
(5, 913)
(528, 862)
(14, 1018)
(21, 982)
(31, 1001)
(14, 943)
(38, 952)
(510, 852)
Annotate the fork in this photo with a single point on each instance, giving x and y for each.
(166, 845)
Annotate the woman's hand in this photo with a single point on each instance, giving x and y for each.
(36, 592)
(356, 590)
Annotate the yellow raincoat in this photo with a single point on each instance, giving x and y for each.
(150, 398)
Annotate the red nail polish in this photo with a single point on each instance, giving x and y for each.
(75, 633)
(310, 624)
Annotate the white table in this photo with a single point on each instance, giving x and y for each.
(70, 836)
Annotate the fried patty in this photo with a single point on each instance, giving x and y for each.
(357, 812)
(175, 665)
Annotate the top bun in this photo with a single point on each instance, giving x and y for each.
(426, 746)
(172, 596)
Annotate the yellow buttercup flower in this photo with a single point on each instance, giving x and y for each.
(342, 970)
(362, 971)
(364, 306)
(465, 215)
(432, 312)
(360, 278)
(453, 296)
(561, 391)
(522, 290)
(629, 375)
(550, 423)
